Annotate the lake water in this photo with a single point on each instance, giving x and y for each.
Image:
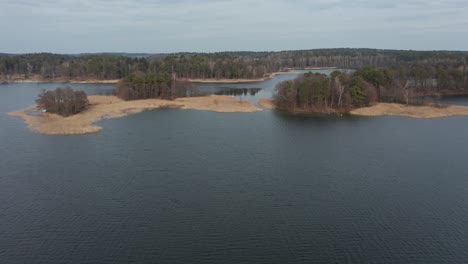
(182, 186)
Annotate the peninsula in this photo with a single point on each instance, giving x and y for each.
(105, 107)
(38, 79)
(382, 109)
(394, 109)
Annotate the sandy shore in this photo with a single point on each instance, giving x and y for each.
(113, 107)
(266, 103)
(38, 79)
(382, 109)
(35, 79)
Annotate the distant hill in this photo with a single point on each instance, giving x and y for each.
(124, 54)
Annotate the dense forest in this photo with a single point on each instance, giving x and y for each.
(222, 65)
(145, 86)
(342, 91)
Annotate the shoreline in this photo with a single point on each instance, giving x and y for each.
(266, 103)
(241, 80)
(107, 107)
(267, 76)
(424, 112)
(65, 81)
(393, 109)
(319, 68)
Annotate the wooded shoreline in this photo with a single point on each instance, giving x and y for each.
(106, 107)
(267, 77)
(37, 79)
(387, 109)
(219, 65)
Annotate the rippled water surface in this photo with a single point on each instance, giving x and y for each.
(177, 186)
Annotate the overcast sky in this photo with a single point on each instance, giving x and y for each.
(154, 26)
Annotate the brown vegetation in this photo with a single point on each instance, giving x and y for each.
(393, 109)
(63, 101)
(382, 109)
(112, 107)
(17, 78)
(266, 103)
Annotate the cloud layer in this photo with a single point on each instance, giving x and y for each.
(67, 26)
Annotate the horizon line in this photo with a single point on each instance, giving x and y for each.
(225, 51)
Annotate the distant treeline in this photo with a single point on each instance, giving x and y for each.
(223, 65)
(342, 91)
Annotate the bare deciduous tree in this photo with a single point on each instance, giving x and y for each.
(63, 101)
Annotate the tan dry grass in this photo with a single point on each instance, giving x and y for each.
(218, 103)
(266, 103)
(39, 79)
(113, 107)
(94, 81)
(382, 109)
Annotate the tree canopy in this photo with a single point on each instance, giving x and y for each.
(340, 91)
(144, 86)
(222, 65)
(63, 101)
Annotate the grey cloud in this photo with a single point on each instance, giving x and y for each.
(210, 25)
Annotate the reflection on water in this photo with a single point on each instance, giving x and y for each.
(451, 99)
(238, 91)
(173, 186)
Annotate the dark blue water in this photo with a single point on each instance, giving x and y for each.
(177, 186)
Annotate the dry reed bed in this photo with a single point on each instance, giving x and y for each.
(113, 107)
(383, 109)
